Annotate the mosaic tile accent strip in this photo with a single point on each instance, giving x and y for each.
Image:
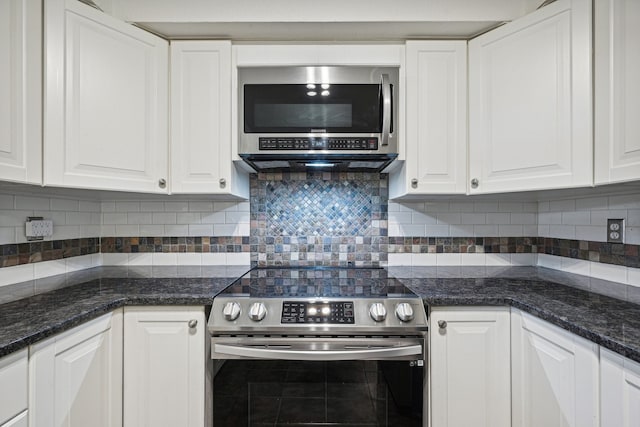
(466, 245)
(608, 253)
(174, 244)
(319, 219)
(47, 250)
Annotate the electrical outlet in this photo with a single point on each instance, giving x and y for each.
(36, 228)
(615, 230)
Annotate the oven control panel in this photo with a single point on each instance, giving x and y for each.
(336, 312)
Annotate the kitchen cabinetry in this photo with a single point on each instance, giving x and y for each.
(530, 107)
(21, 91)
(14, 382)
(617, 90)
(105, 110)
(436, 120)
(76, 377)
(469, 367)
(619, 390)
(201, 159)
(165, 366)
(555, 375)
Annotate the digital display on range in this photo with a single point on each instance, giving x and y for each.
(317, 312)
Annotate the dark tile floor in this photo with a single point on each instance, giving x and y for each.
(295, 393)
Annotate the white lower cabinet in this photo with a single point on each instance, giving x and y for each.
(21, 420)
(555, 375)
(14, 379)
(619, 390)
(469, 367)
(164, 367)
(76, 377)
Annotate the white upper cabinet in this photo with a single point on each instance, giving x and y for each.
(619, 390)
(201, 146)
(105, 111)
(21, 91)
(436, 120)
(555, 375)
(530, 102)
(617, 90)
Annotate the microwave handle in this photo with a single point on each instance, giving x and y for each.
(386, 108)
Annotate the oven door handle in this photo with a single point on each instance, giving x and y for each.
(354, 352)
(386, 108)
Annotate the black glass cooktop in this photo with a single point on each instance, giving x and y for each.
(317, 282)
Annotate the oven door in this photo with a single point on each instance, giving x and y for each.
(266, 381)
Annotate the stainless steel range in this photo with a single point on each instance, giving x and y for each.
(321, 319)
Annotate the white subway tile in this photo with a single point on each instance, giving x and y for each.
(21, 238)
(16, 274)
(628, 201)
(189, 258)
(11, 218)
(393, 230)
(88, 206)
(152, 207)
(510, 206)
(550, 218)
(115, 259)
(90, 230)
(576, 266)
(107, 230)
(524, 259)
(485, 230)
(96, 218)
(401, 217)
(530, 207)
(114, 218)
(463, 230)
(633, 218)
(77, 263)
(164, 217)
(200, 230)
(225, 230)
(212, 218)
(529, 230)
(32, 203)
(474, 218)
(49, 268)
(148, 230)
(107, 207)
(7, 235)
(391, 207)
(127, 206)
(188, 218)
(140, 259)
(399, 259)
(176, 206)
(225, 206)
(600, 217)
(58, 218)
(65, 232)
(633, 276)
(591, 232)
(562, 205)
(576, 218)
(592, 203)
(632, 235)
(164, 258)
(244, 207)
(411, 207)
(423, 218)
(510, 231)
(550, 261)
(614, 273)
(523, 218)
(485, 206)
(436, 231)
(562, 231)
(498, 259)
(449, 218)
(176, 230)
(473, 259)
(65, 205)
(238, 258)
(448, 259)
(461, 206)
(127, 230)
(543, 206)
(7, 201)
(78, 218)
(498, 218)
(236, 217)
(436, 207)
(543, 230)
(200, 206)
(423, 259)
(214, 258)
(138, 218)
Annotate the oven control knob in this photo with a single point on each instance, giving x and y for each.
(231, 311)
(378, 312)
(257, 311)
(404, 312)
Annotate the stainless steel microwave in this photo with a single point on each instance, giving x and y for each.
(325, 117)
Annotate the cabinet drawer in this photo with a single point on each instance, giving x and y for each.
(13, 385)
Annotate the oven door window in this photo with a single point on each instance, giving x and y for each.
(308, 108)
(338, 393)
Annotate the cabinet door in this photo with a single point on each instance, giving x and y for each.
(164, 366)
(617, 90)
(21, 420)
(14, 382)
(619, 390)
(76, 377)
(201, 159)
(436, 121)
(469, 367)
(21, 91)
(105, 112)
(530, 106)
(555, 375)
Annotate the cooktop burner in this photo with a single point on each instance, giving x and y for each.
(317, 282)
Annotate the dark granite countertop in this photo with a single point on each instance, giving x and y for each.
(76, 298)
(566, 300)
(52, 305)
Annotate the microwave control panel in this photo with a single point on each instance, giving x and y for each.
(332, 143)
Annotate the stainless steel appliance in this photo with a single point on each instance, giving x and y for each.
(324, 117)
(319, 346)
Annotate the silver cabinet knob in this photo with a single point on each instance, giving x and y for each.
(257, 311)
(162, 183)
(223, 182)
(378, 312)
(404, 312)
(414, 183)
(442, 324)
(193, 323)
(231, 311)
(475, 183)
